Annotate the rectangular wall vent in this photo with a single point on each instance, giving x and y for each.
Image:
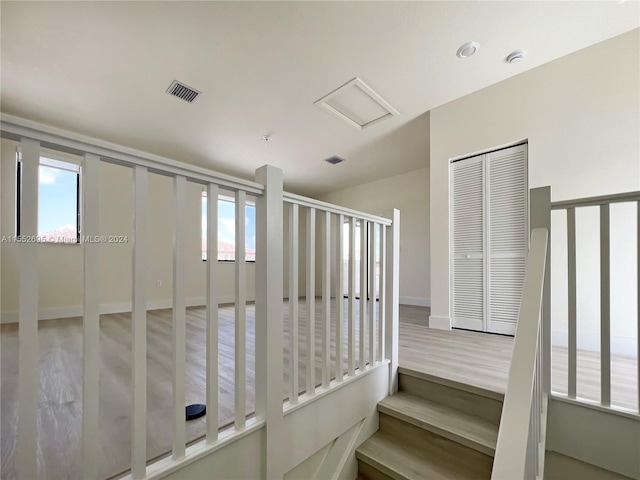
(356, 104)
(183, 91)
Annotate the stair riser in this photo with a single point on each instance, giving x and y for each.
(471, 403)
(483, 447)
(367, 472)
(430, 444)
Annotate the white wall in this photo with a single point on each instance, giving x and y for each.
(306, 442)
(595, 435)
(241, 460)
(60, 266)
(409, 193)
(581, 117)
(302, 250)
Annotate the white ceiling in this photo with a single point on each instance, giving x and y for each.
(102, 68)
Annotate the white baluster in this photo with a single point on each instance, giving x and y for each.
(382, 292)
(212, 313)
(294, 216)
(363, 293)
(91, 318)
(139, 324)
(352, 296)
(311, 301)
(326, 300)
(179, 338)
(28, 380)
(372, 293)
(572, 319)
(605, 310)
(240, 312)
(339, 299)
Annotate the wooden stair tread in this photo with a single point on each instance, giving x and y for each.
(469, 385)
(401, 459)
(468, 430)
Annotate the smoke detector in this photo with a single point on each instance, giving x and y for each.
(183, 92)
(517, 56)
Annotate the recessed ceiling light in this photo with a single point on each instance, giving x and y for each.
(517, 56)
(468, 49)
(334, 160)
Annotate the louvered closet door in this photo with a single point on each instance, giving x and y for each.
(507, 236)
(468, 240)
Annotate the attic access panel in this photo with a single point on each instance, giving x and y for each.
(356, 104)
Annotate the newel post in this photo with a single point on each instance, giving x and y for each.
(540, 217)
(269, 295)
(392, 296)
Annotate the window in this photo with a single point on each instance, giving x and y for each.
(227, 230)
(372, 289)
(58, 200)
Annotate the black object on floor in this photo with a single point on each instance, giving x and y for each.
(196, 410)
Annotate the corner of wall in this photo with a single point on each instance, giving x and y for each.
(440, 323)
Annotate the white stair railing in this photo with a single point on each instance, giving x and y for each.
(32, 137)
(604, 204)
(520, 446)
(270, 198)
(366, 316)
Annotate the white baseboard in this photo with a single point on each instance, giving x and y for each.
(440, 323)
(105, 309)
(415, 301)
(590, 341)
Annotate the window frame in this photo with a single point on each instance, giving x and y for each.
(224, 198)
(53, 158)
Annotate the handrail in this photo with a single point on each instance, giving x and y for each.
(269, 320)
(516, 427)
(595, 201)
(15, 128)
(329, 207)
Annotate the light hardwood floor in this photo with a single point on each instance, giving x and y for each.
(474, 358)
(60, 403)
(624, 377)
(483, 360)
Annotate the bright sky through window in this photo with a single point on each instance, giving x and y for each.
(58, 184)
(226, 230)
(57, 204)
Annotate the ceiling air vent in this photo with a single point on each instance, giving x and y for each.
(334, 160)
(183, 92)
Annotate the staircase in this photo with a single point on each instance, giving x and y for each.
(432, 428)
